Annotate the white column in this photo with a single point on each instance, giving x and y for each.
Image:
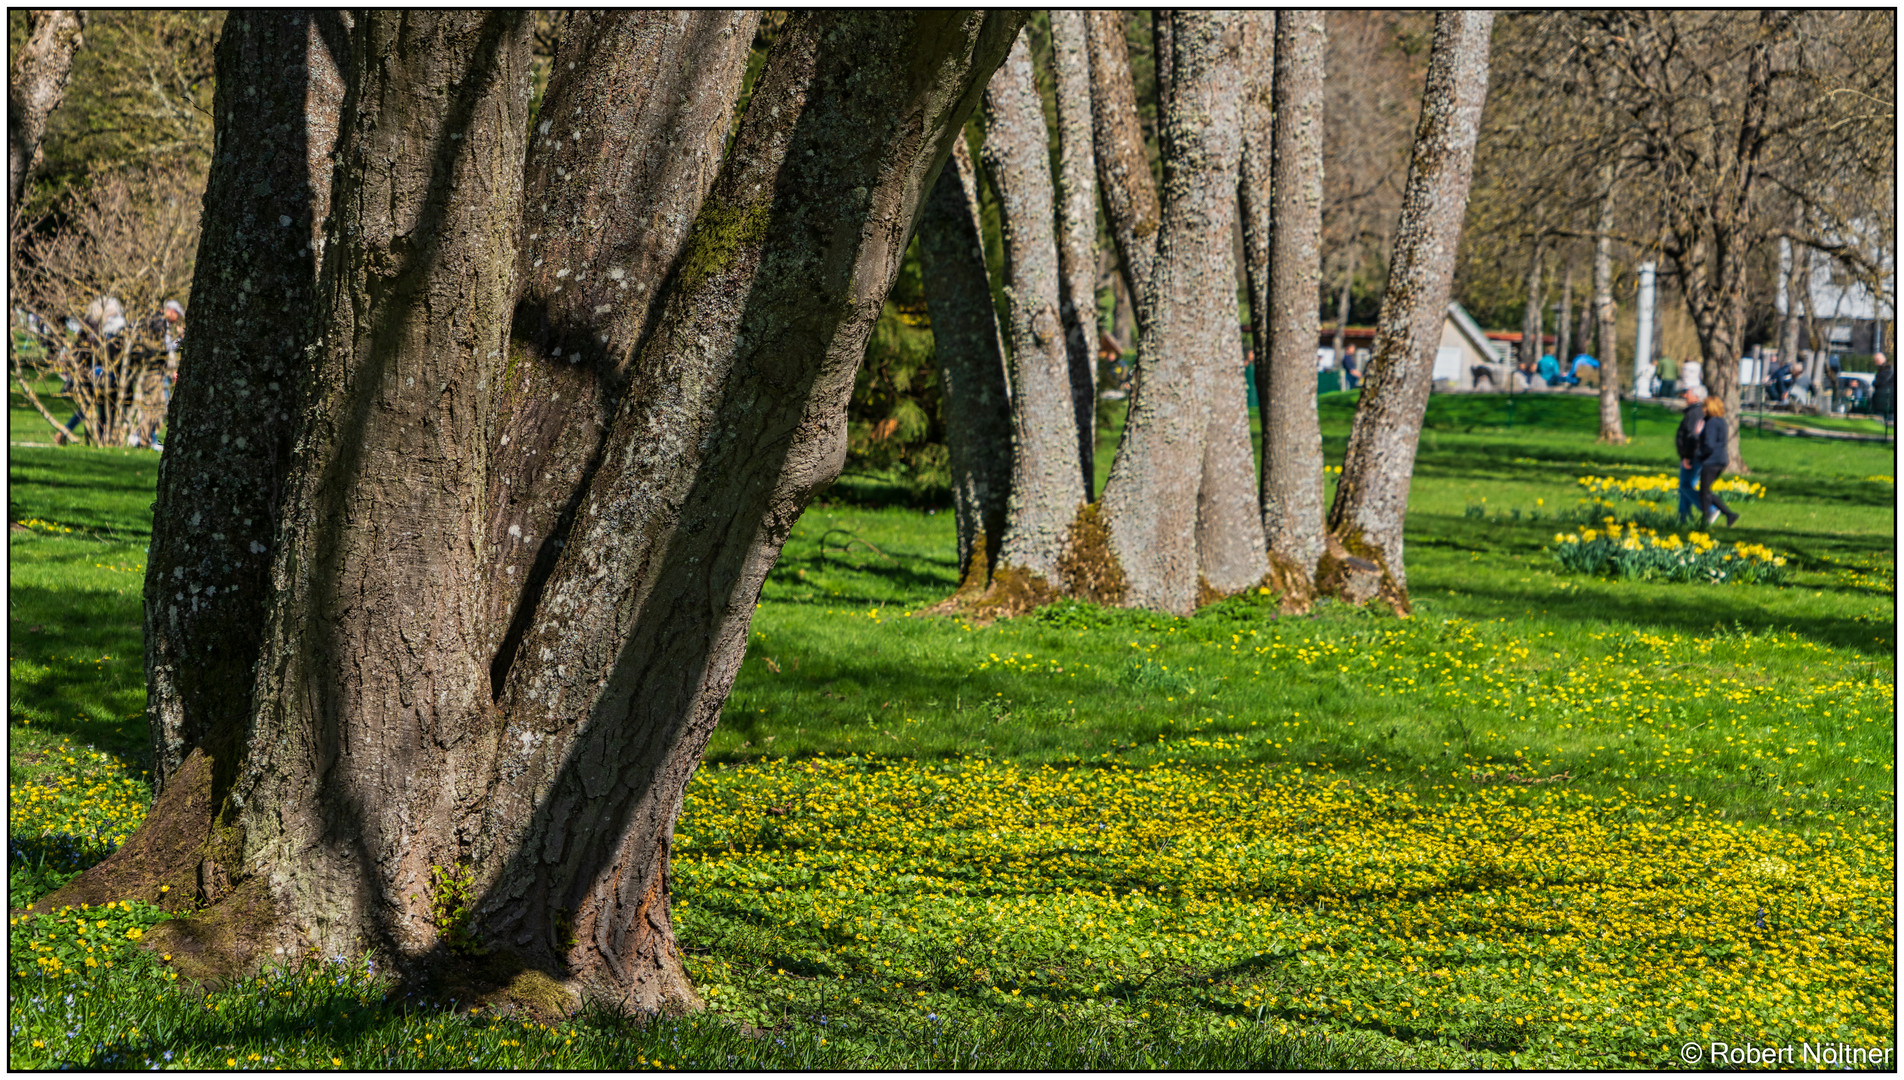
(1643, 339)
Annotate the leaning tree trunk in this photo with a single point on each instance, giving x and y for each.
(1123, 165)
(1285, 302)
(393, 754)
(1530, 313)
(1150, 502)
(372, 706)
(1606, 343)
(1371, 501)
(618, 168)
(1077, 227)
(971, 358)
(215, 521)
(1047, 485)
(736, 416)
(35, 84)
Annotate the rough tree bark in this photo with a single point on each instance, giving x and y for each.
(1231, 551)
(35, 84)
(275, 112)
(1077, 227)
(1123, 165)
(622, 157)
(1150, 504)
(971, 357)
(1530, 313)
(1284, 304)
(1371, 501)
(390, 755)
(1606, 333)
(735, 417)
(1047, 485)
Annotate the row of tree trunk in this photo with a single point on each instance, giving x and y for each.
(433, 652)
(1186, 516)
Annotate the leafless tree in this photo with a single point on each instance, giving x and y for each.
(91, 295)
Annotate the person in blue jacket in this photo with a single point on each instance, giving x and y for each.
(1583, 360)
(1549, 369)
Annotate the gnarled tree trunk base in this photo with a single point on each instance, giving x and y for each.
(1356, 573)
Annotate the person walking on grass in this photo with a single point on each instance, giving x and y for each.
(1686, 441)
(1712, 461)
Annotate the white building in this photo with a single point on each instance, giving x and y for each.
(1848, 315)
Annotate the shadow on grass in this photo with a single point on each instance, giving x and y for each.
(1598, 608)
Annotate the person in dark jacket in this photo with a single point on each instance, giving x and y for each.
(1712, 462)
(1884, 389)
(1686, 441)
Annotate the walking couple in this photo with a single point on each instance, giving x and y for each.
(1701, 441)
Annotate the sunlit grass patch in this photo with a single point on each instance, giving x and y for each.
(70, 812)
(1568, 930)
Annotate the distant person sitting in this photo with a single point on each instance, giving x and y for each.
(1778, 380)
(1668, 371)
(1549, 369)
(1581, 364)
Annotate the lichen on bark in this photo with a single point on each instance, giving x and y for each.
(1371, 499)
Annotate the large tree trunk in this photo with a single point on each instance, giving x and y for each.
(1606, 342)
(1231, 550)
(372, 723)
(35, 84)
(216, 519)
(1150, 503)
(1123, 165)
(394, 754)
(1047, 485)
(1077, 226)
(276, 112)
(618, 167)
(1530, 313)
(1371, 501)
(735, 417)
(1284, 303)
(971, 357)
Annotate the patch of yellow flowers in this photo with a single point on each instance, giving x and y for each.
(88, 812)
(1564, 929)
(1634, 487)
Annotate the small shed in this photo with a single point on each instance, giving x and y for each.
(1465, 356)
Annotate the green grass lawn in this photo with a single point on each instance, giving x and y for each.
(1550, 821)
